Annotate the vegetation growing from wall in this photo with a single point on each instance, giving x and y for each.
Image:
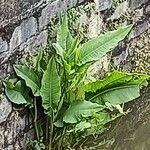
(55, 85)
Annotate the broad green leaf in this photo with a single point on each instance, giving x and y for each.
(74, 45)
(139, 79)
(71, 49)
(83, 125)
(15, 96)
(78, 55)
(69, 42)
(17, 93)
(97, 47)
(116, 79)
(80, 94)
(50, 90)
(63, 32)
(59, 123)
(76, 92)
(30, 76)
(80, 109)
(117, 95)
(83, 69)
(97, 123)
(41, 62)
(67, 67)
(78, 76)
(59, 50)
(39, 59)
(101, 118)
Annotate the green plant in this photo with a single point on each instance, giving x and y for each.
(74, 106)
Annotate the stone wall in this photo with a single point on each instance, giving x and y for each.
(24, 26)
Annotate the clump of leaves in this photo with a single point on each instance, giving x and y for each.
(73, 105)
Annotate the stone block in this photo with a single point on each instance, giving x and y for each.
(147, 10)
(3, 46)
(23, 32)
(53, 8)
(137, 3)
(140, 28)
(103, 4)
(5, 109)
(120, 10)
(16, 38)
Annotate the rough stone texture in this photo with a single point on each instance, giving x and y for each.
(23, 26)
(137, 3)
(103, 4)
(12, 131)
(13, 126)
(23, 32)
(3, 46)
(5, 109)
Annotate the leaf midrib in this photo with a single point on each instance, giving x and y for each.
(109, 90)
(110, 82)
(50, 102)
(98, 47)
(15, 91)
(28, 77)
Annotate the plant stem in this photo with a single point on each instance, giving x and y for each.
(47, 130)
(61, 139)
(51, 132)
(35, 120)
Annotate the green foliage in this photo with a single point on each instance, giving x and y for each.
(16, 93)
(30, 76)
(97, 122)
(40, 63)
(82, 126)
(77, 110)
(97, 47)
(72, 103)
(114, 79)
(117, 88)
(36, 145)
(62, 33)
(117, 95)
(50, 89)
